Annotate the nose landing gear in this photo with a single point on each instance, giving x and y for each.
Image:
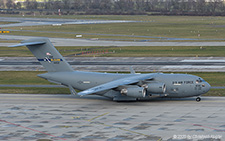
(198, 99)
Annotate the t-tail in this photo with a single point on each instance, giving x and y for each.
(46, 54)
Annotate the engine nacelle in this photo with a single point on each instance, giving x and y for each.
(137, 92)
(156, 88)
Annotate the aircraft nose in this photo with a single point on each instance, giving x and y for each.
(207, 86)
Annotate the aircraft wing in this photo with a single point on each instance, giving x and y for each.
(115, 84)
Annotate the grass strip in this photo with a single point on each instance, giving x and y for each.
(157, 26)
(215, 92)
(22, 78)
(16, 90)
(127, 51)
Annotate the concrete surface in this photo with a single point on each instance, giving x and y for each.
(64, 117)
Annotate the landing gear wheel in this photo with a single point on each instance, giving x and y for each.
(198, 99)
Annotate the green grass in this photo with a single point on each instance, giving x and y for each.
(41, 34)
(181, 51)
(72, 35)
(157, 26)
(31, 90)
(9, 41)
(215, 92)
(2, 23)
(22, 77)
(15, 52)
(213, 78)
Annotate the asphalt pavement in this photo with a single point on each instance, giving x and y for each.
(118, 64)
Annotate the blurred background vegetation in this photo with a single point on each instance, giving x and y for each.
(114, 7)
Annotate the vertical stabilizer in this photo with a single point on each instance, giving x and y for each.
(46, 54)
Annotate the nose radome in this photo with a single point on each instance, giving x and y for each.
(208, 87)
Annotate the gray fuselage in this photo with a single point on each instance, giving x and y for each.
(177, 85)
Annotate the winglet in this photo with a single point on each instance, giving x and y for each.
(28, 44)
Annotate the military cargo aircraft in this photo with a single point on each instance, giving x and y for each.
(118, 87)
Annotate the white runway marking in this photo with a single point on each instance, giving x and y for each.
(193, 67)
(202, 60)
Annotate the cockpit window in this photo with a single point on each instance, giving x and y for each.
(199, 80)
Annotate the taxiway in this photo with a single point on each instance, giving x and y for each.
(118, 64)
(49, 21)
(65, 117)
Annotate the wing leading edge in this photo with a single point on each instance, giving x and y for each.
(28, 44)
(115, 84)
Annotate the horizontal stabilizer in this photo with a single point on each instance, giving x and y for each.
(28, 44)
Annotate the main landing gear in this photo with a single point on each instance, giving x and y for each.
(198, 99)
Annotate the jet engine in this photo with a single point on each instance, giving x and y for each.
(136, 92)
(155, 88)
